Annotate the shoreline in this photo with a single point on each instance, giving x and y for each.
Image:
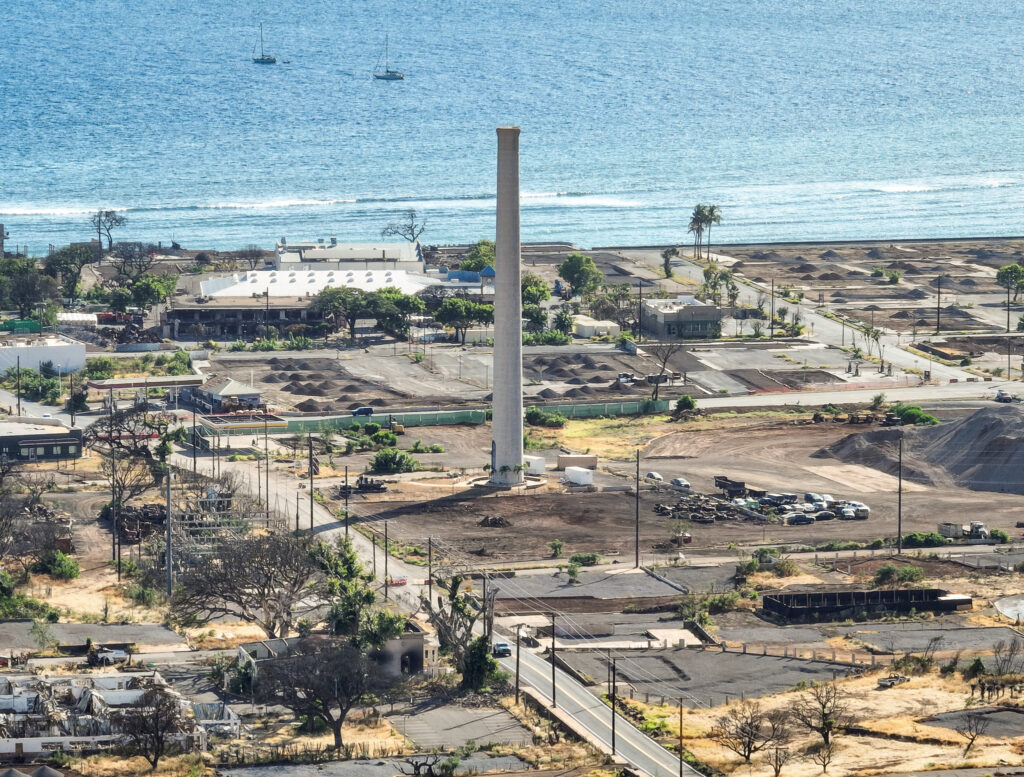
(717, 247)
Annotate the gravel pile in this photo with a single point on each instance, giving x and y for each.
(982, 451)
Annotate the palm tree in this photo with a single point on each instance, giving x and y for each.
(696, 226)
(712, 215)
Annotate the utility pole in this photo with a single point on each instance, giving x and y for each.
(17, 390)
(167, 520)
(771, 313)
(195, 437)
(71, 397)
(346, 504)
(373, 540)
(519, 628)
(899, 500)
(680, 736)
(310, 440)
(640, 313)
(613, 704)
(387, 593)
(938, 304)
(636, 529)
(266, 459)
(1007, 309)
(554, 703)
(430, 577)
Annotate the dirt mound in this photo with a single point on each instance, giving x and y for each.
(308, 406)
(296, 376)
(807, 277)
(830, 276)
(326, 385)
(576, 381)
(548, 393)
(271, 378)
(902, 314)
(598, 379)
(295, 388)
(830, 255)
(806, 268)
(981, 451)
(875, 253)
(494, 522)
(916, 294)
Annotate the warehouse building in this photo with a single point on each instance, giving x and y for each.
(682, 317)
(39, 439)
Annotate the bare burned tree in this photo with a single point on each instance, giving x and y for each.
(748, 728)
(777, 759)
(105, 222)
(410, 229)
(454, 616)
(128, 476)
(1008, 657)
(270, 580)
(823, 755)
(36, 483)
(662, 353)
(133, 260)
(252, 255)
(321, 680)
(973, 725)
(10, 468)
(823, 710)
(431, 765)
(151, 725)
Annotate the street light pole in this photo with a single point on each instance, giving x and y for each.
(554, 703)
(519, 628)
(636, 528)
(899, 500)
(613, 704)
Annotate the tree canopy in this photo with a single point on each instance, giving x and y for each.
(580, 273)
(479, 256)
(460, 314)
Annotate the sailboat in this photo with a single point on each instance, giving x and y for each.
(263, 58)
(387, 74)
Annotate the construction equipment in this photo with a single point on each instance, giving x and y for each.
(976, 530)
(363, 485)
(891, 419)
(1003, 396)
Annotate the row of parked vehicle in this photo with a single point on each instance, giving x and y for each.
(814, 507)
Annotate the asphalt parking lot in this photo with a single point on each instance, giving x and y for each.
(703, 678)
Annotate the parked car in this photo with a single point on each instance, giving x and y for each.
(363, 411)
(892, 679)
(653, 476)
(829, 500)
(799, 518)
(861, 511)
(789, 499)
(680, 482)
(825, 515)
(397, 581)
(109, 657)
(501, 650)
(847, 514)
(805, 508)
(810, 496)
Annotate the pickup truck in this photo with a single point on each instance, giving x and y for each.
(892, 679)
(501, 650)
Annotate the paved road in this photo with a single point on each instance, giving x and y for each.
(594, 716)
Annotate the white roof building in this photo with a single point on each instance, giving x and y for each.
(322, 255)
(308, 283)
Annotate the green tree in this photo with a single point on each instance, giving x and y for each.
(67, 264)
(666, 260)
(536, 318)
(25, 288)
(696, 228)
(580, 273)
(394, 310)
(563, 322)
(478, 665)
(341, 305)
(556, 548)
(534, 289)
(685, 402)
(1011, 276)
(148, 290)
(712, 216)
(391, 460)
(479, 256)
(460, 314)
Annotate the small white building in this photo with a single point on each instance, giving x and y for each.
(65, 355)
(585, 326)
(331, 255)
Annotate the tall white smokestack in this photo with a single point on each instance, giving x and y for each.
(507, 417)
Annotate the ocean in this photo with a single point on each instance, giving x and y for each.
(802, 120)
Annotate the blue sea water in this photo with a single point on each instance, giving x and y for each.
(801, 119)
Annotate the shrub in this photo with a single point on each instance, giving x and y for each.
(685, 402)
(140, 595)
(975, 669)
(877, 272)
(238, 345)
(556, 548)
(919, 539)
(385, 438)
(58, 565)
(393, 460)
(893, 574)
(999, 536)
(370, 428)
(585, 559)
(537, 417)
(749, 567)
(785, 567)
(99, 368)
(875, 544)
(877, 401)
(574, 572)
